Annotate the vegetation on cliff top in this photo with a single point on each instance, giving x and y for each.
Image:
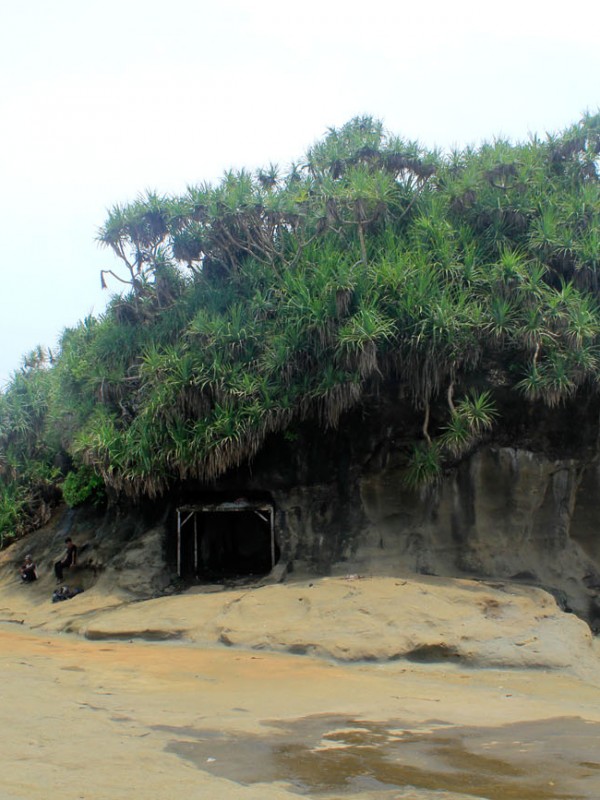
(273, 298)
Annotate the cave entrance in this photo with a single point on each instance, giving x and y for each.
(220, 541)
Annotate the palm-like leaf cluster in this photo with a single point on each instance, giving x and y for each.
(28, 445)
(272, 299)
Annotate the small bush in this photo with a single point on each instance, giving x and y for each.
(83, 486)
(11, 505)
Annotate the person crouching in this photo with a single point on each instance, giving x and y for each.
(28, 570)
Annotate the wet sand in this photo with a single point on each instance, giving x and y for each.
(88, 720)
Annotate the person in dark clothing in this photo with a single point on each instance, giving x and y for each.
(64, 593)
(69, 559)
(28, 570)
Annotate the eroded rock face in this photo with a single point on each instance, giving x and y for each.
(504, 513)
(341, 507)
(426, 619)
(122, 553)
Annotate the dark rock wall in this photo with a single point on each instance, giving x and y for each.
(119, 549)
(503, 513)
(527, 513)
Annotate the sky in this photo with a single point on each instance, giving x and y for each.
(101, 100)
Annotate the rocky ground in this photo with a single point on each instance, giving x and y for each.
(411, 688)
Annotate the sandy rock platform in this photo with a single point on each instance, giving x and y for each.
(413, 688)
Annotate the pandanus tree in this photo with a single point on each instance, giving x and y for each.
(277, 298)
(372, 262)
(27, 446)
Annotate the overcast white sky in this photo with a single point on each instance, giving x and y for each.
(103, 99)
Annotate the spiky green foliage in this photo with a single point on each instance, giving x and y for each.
(272, 298)
(28, 446)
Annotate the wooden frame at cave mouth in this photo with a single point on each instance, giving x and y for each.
(193, 538)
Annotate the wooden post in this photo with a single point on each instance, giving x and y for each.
(195, 544)
(179, 543)
(271, 515)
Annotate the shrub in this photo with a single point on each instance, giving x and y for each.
(83, 486)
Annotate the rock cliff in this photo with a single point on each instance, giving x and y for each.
(525, 514)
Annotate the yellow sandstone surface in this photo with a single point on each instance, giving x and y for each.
(413, 688)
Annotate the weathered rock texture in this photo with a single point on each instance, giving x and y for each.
(422, 619)
(528, 514)
(505, 512)
(122, 553)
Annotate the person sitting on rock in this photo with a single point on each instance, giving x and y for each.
(28, 570)
(68, 560)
